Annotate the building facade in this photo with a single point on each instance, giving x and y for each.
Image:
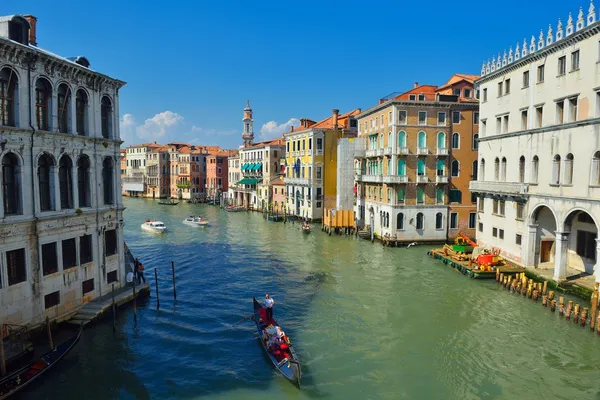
(61, 224)
(234, 175)
(413, 183)
(539, 161)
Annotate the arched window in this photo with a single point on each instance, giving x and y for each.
(65, 182)
(106, 117)
(45, 178)
(402, 139)
(474, 172)
(389, 166)
(556, 170)
(439, 221)
(535, 163)
(522, 169)
(64, 107)
(439, 196)
(497, 169)
(42, 104)
(441, 168)
(441, 140)
(400, 196)
(569, 169)
(482, 170)
(503, 169)
(455, 167)
(81, 107)
(476, 141)
(455, 140)
(420, 196)
(401, 167)
(595, 176)
(421, 167)
(420, 221)
(422, 140)
(11, 184)
(400, 221)
(83, 181)
(389, 143)
(8, 96)
(107, 180)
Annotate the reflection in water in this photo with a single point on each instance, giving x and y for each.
(368, 322)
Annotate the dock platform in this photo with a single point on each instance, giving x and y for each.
(472, 272)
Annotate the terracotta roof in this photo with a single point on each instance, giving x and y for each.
(456, 78)
(278, 182)
(327, 123)
(273, 142)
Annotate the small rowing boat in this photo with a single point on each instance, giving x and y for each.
(154, 226)
(24, 376)
(195, 221)
(282, 355)
(306, 229)
(235, 208)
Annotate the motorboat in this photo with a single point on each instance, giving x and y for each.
(195, 221)
(154, 226)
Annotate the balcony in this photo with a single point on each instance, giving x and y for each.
(422, 179)
(296, 181)
(442, 152)
(441, 179)
(372, 178)
(507, 188)
(402, 150)
(360, 153)
(371, 153)
(379, 152)
(395, 179)
(358, 177)
(387, 151)
(422, 151)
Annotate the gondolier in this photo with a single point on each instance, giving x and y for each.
(269, 306)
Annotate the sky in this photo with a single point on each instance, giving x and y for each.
(190, 66)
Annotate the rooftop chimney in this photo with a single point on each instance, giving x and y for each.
(292, 128)
(32, 33)
(336, 113)
(416, 85)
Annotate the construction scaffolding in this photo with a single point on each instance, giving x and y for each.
(347, 149)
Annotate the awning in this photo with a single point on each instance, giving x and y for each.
(244, 167)
(248, 181)
(257, 166)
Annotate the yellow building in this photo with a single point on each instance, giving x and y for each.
(311, 163)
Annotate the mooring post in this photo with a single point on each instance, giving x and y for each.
(583, 317)
(174, 286)
(114, 309)
(2, 359)
(134, 303)
(576, 313)
(594, 305)
(561, 305)
(49, 333)
(156, 285)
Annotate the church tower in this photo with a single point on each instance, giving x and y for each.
(248, 133)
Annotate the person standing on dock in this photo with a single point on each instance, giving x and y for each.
(140, 272)
(269, 306)
(136, 264)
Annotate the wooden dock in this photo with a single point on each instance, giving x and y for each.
(473, 270)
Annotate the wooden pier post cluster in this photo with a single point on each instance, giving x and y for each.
(520, 284)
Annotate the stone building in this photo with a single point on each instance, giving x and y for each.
(539, 154)
(61, 221)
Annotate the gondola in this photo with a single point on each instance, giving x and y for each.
(168, 203)
(24, 376)
(286, 362)
(306, 229)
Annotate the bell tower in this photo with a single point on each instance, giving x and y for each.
(248, 132)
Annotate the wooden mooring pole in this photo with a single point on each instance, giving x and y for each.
(174, 287)
(50, 341)
(594, 307)
(114, 309)
(156, 285)
(134, 303)
(2, 359)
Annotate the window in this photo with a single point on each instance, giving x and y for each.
(522, 169)
(555, 170)
(495, 232)
(518, 239)
(81, 105)
(64, 105)
(412, 96)
(483, 127)
(568, 169)
(472, 220)
(87, 286)
(106, 117)
(455, 168)
(480, 227)
(495, 206)
(595, 176)
(507, 86)
(107, 181)
(49, 258)
(560, 111)
(402, 117)
(540, 74)
(45, 177)
(467, 93)
(500, 86)
(505, 124)
(420, 196)
(319, 168)
(523, 119)
(535, 162)
(110, 242)
(501, 208)
(453, 220)
(83, 181)
(481, 204)
(526, 79)
(319, 145)
(520, 211)
(442, 118)
(484, 95)
(400, 195)
(421, 97)
(498, 125)
(69, 253)
(575, 60)
(420, 221)
(441, 140)
(439, 196)
(439, 221)
(497, 169)
(111, 277)
(52, 299)
(476, 118)
(11, 184)
(456, 92)
(456, 117)
(586, 244)
(421, 167)
(309, 145)
(86, 253)
(482, 169)
(501, 234)
(455, 196)
(422, 117)
(16, 267)
(455, 140)
(562, 65)
(503, 170)
(65, 180)
(441, 168)
(539, 113)
(400, 221)
(42, 104)
(573, 109)
(8, 95)
(474, 171)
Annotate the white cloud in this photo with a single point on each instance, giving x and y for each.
(127, 128)
(158, 126)
(272, 130)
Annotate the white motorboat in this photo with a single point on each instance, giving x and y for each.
(195, 221)
(154, 226)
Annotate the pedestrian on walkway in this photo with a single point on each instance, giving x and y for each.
(141, 273)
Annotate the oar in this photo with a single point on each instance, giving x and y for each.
(243, 319)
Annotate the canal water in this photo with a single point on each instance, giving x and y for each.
(368, 322)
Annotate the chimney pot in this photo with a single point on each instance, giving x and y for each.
(32, 32)
(335, 118)
(416, 85)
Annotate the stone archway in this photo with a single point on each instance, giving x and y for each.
(581, 250)
(540, 247)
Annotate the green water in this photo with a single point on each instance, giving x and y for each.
(368, 322)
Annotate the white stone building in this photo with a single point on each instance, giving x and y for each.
(539, 152)
(61, 236)
(235, 176)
